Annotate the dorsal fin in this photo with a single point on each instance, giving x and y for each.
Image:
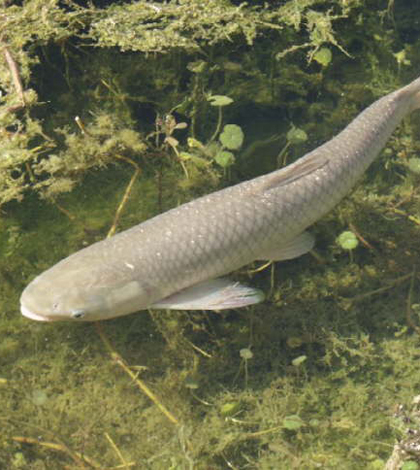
(303, 167)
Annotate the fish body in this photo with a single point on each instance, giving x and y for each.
(175, 260)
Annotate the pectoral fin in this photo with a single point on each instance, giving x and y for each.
(215, 294)
(292, 249)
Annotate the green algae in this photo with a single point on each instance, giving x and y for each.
(340, 407)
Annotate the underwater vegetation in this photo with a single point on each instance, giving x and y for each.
(111, 112)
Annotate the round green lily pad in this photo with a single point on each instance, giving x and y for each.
(323, 56)
(347, 240)
(232, 137)
(225, 158)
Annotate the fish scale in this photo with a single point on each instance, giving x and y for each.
(174, 260)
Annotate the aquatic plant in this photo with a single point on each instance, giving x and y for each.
(29, 140)
(323, 56)
(347, 240)
(201, 155)
(294, 136)
(231, 137)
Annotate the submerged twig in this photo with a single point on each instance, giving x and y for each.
(409, 303)
(396, 459)
(14, 70)
(127, 193)
(118, 452)
(317, 256)
(143, 387)
(361, 239)
(395, 282)
(79, 458)
(218, 125)
(64, 211)
(260, 268)
(81, 126)
(201, 351)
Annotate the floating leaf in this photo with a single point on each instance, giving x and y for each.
(171, 141)
(347, 240)
(414, 165)
(229, 409)
(297, 361)
(225, 158)
(293, 422)
(296, 136)
(246, 353)
(232, 137)
(323, 56)
(219, 100)
(401, 58)
(197, 67)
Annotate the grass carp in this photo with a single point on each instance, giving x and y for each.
(176, 260)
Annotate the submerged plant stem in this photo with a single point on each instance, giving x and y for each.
(219, 124)
(362, 240)
(118, 452)
(143, 387)
(394, 283)
(14, 70)
(79, 458)
(127, 193)
(114, 354)
(64, 211)
(409, 303)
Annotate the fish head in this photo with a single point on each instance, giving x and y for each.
(80, 295)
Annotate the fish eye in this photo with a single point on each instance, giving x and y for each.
(77, 314)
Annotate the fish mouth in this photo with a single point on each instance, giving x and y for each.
(33, 316)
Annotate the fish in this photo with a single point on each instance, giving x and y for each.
(179, 259)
